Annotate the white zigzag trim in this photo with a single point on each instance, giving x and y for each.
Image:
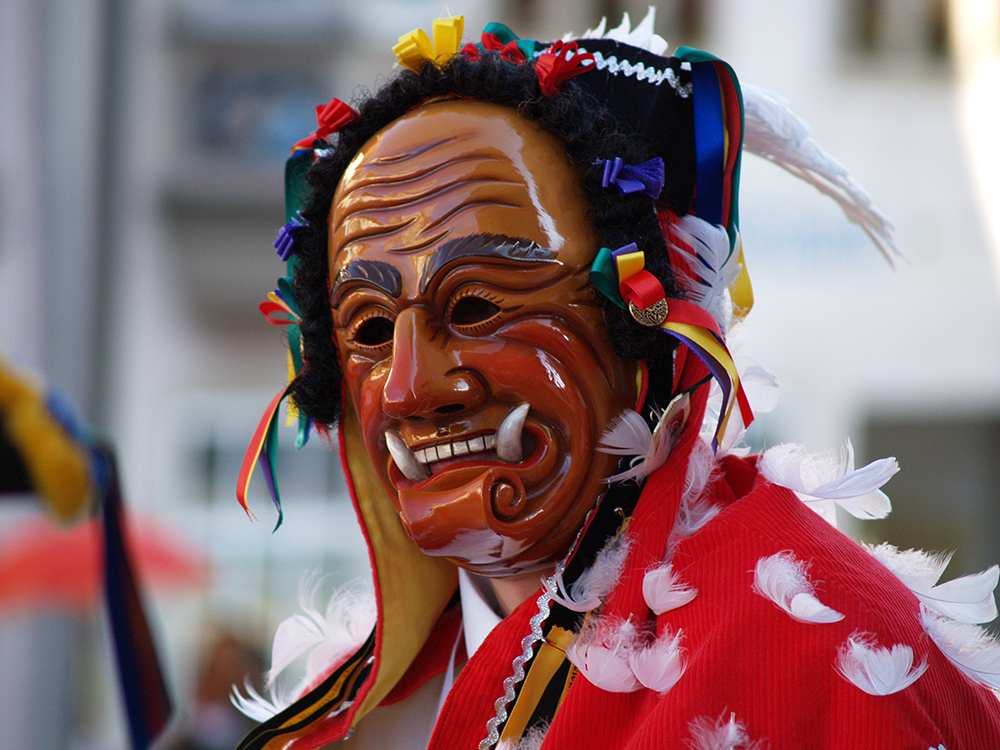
(641, 72)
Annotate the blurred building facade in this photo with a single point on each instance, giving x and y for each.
(141, 178)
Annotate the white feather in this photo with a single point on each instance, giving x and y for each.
(711, 734)
(702, 467)
(782, 578)
(877, 670)
(642, 36)
(712, 264)
(773, 132)
(760, 384)
(970, 648)
(663, 589)
(824, 477)
(588, 591)
(659, 666)
(630, 435)
(601, 653)
(532, 740)
(323, 638)
(693, 515)
(966, 599)
(696, 509)
(253, 704)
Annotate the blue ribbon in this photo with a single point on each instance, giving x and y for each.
(647, 177)
(285, 244)
(709, 141)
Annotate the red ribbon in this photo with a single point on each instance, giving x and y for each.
(509, 52)
(560, 63)
(330, 118)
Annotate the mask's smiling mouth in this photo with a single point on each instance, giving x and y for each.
(509, 444)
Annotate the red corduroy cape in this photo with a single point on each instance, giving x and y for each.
(746, 659)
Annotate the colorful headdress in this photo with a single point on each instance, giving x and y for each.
(689, 110)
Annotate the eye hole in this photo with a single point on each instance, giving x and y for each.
(471, 310)
(376, 331)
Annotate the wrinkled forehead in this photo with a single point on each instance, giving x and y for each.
(456, 169)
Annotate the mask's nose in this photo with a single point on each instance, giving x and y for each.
(426, 380)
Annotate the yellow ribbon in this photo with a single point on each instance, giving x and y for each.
(740, 290)
(415, 49)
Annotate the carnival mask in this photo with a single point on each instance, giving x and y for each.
(473, 347)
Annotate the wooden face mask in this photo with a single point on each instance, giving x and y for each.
(473, 347)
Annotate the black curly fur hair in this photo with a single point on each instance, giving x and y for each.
(589, 131)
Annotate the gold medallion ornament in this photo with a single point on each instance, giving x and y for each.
(651, 316)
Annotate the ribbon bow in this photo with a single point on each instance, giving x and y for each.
(622, 278)
(285, 243)
(628, 178)
(330, 118)
(559, 63)
(415, 49)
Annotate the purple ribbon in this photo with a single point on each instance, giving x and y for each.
(285, 244)
(647, 177)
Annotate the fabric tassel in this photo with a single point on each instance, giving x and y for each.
(263, 450)
(663, 590)
(782, 579)
(876, 670)
(970, 648)
(967, 599)
(659, 666)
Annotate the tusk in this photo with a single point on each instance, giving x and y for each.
(404, 458)
(508, 444)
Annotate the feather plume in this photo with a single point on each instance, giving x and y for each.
(601, 653)
(588, 591)
(641, 36)
(696, 507)
(711, 262)
(532, 740)
(821, 477)
(254, 705)
(712, 734)
(782, 578)
(774, 133)
(324, 638)
(877, 670)
(663, 590)
(967, 599)
(760, 384)
(659, 666)
(702, 467)
(693, 515)
(969, 647)
(629, 435)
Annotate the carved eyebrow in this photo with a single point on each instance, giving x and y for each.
(483, 246)
(383, 275)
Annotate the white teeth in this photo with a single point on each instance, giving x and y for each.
(405, 459)
(413, 462)
(508, 437)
